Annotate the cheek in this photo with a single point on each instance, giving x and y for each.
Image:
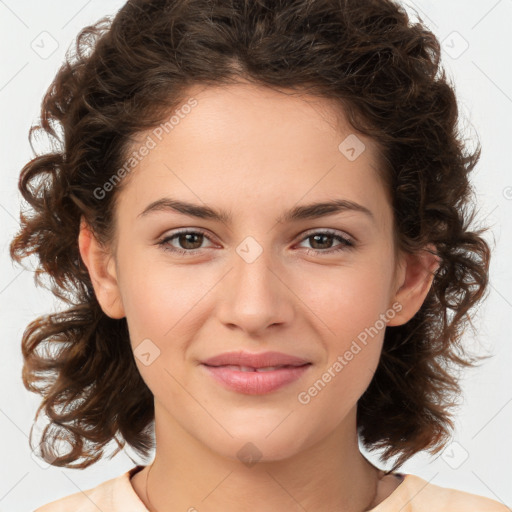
(156, 297)
(348, 301)
(159, 304)
(350, 319)
(348, 308)
(149, 311)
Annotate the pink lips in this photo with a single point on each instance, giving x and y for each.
(257, 360)
(249, 378)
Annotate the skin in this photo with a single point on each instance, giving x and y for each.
(256, 153)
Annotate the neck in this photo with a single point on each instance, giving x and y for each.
(187, 474)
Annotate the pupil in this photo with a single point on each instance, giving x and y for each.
(316, 237)
(187, 241)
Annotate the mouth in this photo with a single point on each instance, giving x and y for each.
(243, 359)
(255, 369)
(255, 381)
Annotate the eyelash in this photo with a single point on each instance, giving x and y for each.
(345, 243)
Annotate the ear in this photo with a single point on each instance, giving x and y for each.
(102, 269)
(415, 276)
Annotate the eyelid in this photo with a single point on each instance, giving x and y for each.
(303, 236)
(328, 231)
(347, 242)
(185, 231)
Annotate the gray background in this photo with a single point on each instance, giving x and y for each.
(477, 54)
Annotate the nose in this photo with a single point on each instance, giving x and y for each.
(255, 295)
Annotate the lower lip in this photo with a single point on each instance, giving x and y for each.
(256, 383)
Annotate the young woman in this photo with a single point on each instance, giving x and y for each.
(259, 218)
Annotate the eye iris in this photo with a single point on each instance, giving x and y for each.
(184, 238)
(316, 237)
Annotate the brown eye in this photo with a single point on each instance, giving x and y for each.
(188, 242)
(322, 242)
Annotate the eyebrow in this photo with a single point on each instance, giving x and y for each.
(303, 212)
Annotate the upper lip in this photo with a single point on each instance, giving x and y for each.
(258, 360)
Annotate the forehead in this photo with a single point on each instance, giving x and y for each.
(248, 114)
(247, 147)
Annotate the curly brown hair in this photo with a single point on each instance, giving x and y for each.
(126, 75)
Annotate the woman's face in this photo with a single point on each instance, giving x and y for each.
(250, 282)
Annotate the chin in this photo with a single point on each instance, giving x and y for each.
(251, 448)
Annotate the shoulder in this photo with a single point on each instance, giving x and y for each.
(116, 494)
(419, 495)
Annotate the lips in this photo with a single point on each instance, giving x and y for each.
(255, 374)
(251, 369)
(246, 361)
(256, 382)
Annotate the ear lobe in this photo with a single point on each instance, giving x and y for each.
(416, 280)
(102, 271)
